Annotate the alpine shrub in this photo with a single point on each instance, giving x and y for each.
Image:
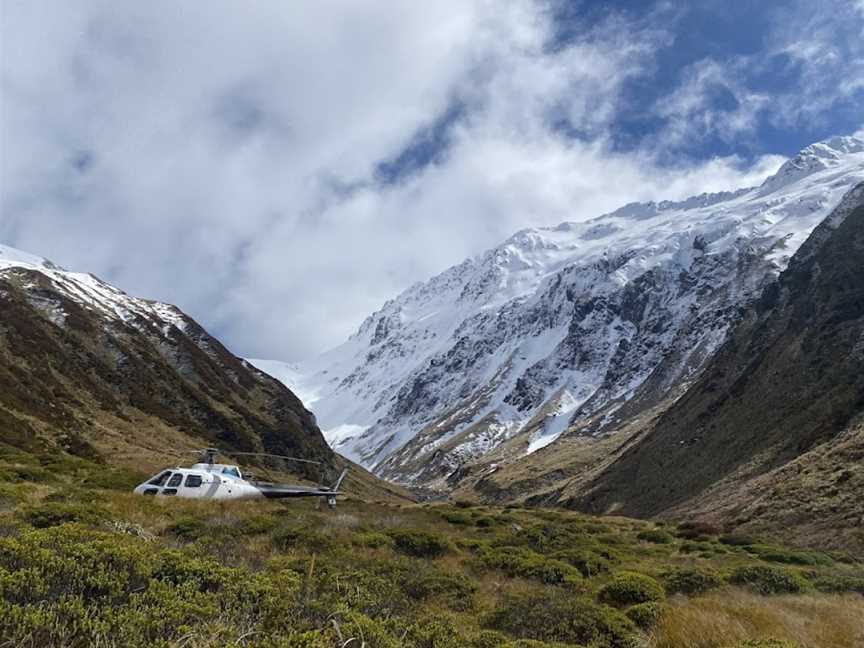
(691, 581)
(645, 615)
(768, 580)
(657, 536)
(420, 544)
(629, 588)
(556, 615)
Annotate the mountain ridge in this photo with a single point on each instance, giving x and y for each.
(772, 433)
(89, 370)
(526, 339)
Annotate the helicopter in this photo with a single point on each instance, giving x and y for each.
(208, 479)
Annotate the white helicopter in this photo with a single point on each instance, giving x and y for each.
(210, 480)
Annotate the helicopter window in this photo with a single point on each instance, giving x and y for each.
(192, 481)
(175, 480)
(160, 479)
(231, 471)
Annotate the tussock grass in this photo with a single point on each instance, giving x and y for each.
(725, 619)
(95, 566)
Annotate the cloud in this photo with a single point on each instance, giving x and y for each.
(711, 100)
(280, 169)
(809, 71)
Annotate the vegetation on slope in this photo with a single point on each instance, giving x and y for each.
(769, 436)
(778, 410)
(83, 562)
(94, 384)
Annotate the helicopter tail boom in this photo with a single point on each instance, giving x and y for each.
(339, 481)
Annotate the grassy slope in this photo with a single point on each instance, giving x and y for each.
(777, 409)
(770, 436)
(95, 386)
(83, 565)
(142, 397)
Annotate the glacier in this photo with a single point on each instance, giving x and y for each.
(562, 330)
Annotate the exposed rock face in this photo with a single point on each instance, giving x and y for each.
(89, 369)
(581, 327)
(772, 433)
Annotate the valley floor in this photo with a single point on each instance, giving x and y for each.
(85, 563)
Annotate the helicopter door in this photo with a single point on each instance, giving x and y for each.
(173, 484)
(193, 486)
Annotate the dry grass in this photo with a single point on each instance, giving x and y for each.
(722, 619)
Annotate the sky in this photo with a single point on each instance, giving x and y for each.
(281, 169)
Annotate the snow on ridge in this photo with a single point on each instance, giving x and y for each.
(11, 258)
(404, 352)
(812, 159)
(90, 292)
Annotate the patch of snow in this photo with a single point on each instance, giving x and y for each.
(555, 424)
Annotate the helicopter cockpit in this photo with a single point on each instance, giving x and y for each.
(210, 480)
(221, 469)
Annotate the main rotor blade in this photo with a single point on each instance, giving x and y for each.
(267, 454)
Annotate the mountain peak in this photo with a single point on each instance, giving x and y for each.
(813, 158)
(617, 312)
(12, 257)
(83, 360)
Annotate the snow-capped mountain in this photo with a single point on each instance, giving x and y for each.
(89, 369)
(578, 325)
(91, 292)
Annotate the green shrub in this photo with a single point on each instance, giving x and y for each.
(657, 536)
(493, 639)
(692, 530)
(645, 615)
(613, 539)
(454, 590)
(9, 497)
(556, 615)
(697, 531)
(521, 561)
(768, 580)
(691, 581)
(420, 544)
(69, 561)
(629, 588)
(790, 556)
(596, 528)
(692, 547)
(372, 632)
(587, 562)
(19, 473)
(547, 537)
(456, 517)
(257, 525)
(372, 540)
(203, 574)
(833, 584)
(472, 544)
(766, 643)
(116, 479)
(302, 538)
(489, 639)
(432, 633)
(188, 528)
(52, 514)
(737, 540)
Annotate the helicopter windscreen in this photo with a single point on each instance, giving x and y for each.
(160, 479)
